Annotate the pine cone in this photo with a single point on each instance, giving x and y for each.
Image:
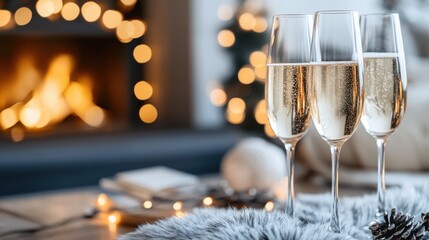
(400, 226)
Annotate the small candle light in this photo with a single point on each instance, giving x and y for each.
(269, 206)
(114, 218)
(178, 205)
(180, 214)
(147, 204)
(208, 201)
(103, 202)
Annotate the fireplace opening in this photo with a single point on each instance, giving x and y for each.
(65, 84)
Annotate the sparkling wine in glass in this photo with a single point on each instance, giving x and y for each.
(286, 88)
(336, 93)
(385, 85)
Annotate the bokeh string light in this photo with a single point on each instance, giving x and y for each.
(91, 11)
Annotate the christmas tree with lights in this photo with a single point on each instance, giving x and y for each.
(245, 39)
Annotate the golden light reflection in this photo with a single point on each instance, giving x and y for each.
(91, 11)
(5, 17)
(70, 11)
(226, 38)
(247, 21)
(45, 8)
(148, 113)
(236, 105)
(218, 97)
(23, 16)
(112, 18)
(246, 75)
(225, 12)
(143, 90)
(258, 59)
(142, 53)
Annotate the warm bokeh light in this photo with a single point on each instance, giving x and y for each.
(260, 25)
(58, 4)
(236, 105)
(208, 201)
(225, 12)
(45, 8)
(143, 90)
(226, 38)
(5, 17)
(247, 21)
(148, 113)
(70, 11)
(93, 116)
(147, 204)
(269, 206)
(23, 16)
(125, 31)
(112, 18)
(129, 3)
(77, 96)
(180, 214)
(30, 115)
(258, 59)
(8, 118)
(17, 134)
(91, 11)
(178, 205)
(102, 202)
(246, 75)
(269, 131)
(218, 97)
(142, 53)
(261, 73)
(261, 113)
(139, 28)
(235, 118)
(114, 218)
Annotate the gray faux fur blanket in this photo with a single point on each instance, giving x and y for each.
(310, 222)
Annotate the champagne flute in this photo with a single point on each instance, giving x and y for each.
(336, 92)
(385, 85)
(287, 87)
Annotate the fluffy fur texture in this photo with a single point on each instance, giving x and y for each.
(311, 219)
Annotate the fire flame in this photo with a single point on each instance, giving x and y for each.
(37, 102)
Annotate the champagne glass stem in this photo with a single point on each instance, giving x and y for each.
(290, 157)
(335, 157)
(381, 188)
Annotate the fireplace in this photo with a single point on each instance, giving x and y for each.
(62, 76)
